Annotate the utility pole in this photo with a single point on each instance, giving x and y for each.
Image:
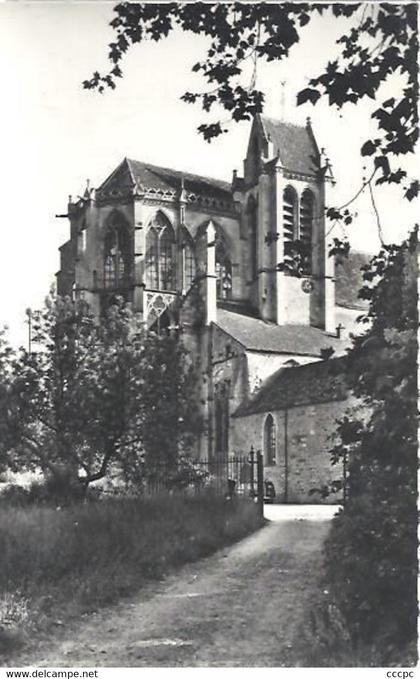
(28, 313)
(282, 99)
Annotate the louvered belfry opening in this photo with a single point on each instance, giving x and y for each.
(306, 226)
(289, 225)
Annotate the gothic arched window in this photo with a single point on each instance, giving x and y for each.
(189, 261)
(223, 271)
(166, 259)
(253, 232)
(307, 205)
(116, 255)
(152, 277)
(160, 260)
(269, 441)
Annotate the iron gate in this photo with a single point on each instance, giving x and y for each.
(230, 476)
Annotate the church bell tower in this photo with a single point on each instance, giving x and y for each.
(286, 181)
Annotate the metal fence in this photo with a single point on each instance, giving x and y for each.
(230, 476)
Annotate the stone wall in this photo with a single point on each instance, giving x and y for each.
(228, 364)
(302, 445)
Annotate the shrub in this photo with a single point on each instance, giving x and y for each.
(13, 609)
(14, 495)
(371, 552)
(56, 489)
(325, 640)
(13, 617)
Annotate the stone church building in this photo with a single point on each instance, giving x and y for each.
(241, 271)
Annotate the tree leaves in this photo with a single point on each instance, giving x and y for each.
(380, 43)
(368, 148)
(308, 94)
(339, 249)
(382, 162)
(211, 130)
(413, 190)
(235, 32)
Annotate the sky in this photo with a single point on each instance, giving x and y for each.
(56, 135)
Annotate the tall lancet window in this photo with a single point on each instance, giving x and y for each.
(307, 206)
(160, 254)
(269, 441)
(116, 255)
(252, 210)
(290, 226)
(223, 271)
(189, 261)
(151, 263)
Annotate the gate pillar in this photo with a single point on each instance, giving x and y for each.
(260, 483)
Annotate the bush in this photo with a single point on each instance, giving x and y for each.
(325, 640)
(371, 552)
(58, 488)
(14, 495)
(52, 490)
(13, 617)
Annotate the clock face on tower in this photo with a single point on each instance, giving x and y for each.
(307, 285)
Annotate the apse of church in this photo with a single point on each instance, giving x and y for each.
(142, 234)
(151, 250)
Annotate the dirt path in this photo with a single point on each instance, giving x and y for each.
(240, 607)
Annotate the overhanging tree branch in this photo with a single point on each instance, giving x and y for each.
(271, 31)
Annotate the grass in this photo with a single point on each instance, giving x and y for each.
(60, 563)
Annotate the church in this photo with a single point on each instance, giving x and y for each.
(241, 272)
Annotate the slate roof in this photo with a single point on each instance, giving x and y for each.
(149, 176)
(295, 145)
(257, 335)
(319, 382)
